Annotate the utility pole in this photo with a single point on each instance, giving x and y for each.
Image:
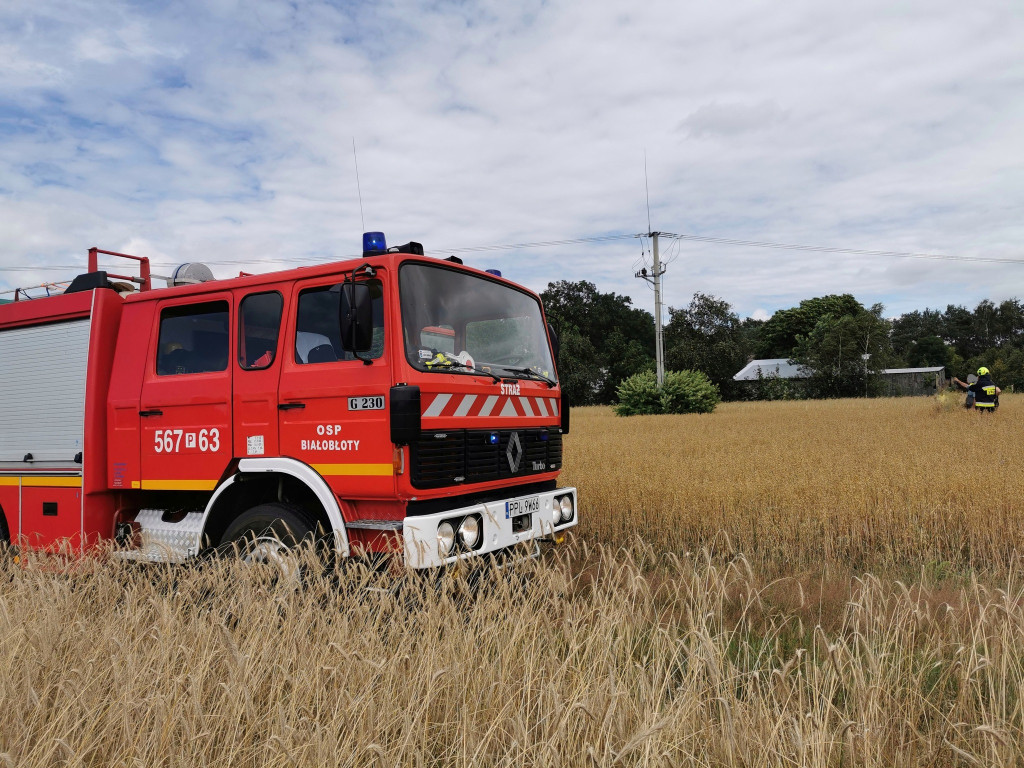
(655, 279)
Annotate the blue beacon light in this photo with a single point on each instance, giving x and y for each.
(493, 438)
(374, 241)
(495, 272)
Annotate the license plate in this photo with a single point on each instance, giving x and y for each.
(517, 507)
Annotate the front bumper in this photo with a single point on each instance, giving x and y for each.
(422, 549)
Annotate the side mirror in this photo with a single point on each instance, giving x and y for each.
(355, 313)
(554, 341)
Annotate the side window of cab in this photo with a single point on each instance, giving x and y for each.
(318, 330)
(259, 325)
(193, 339)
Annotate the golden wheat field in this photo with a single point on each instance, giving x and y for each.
(890, 484)
(775, 584)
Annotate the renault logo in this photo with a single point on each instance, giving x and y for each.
(514, 454)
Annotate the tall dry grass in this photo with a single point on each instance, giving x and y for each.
(866, 484)
(642, 658)
(712, 614)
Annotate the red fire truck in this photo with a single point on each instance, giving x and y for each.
(393, 402)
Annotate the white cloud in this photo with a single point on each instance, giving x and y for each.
(223, 131)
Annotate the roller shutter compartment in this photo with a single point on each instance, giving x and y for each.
(42, 391)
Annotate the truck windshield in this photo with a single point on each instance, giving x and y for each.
(454, 322)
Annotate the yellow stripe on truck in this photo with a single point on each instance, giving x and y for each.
(178, 485)
(51, 482)
(350, 470)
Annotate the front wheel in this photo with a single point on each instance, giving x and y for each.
(266, 533)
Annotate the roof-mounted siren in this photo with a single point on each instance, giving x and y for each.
(190, 274)
(374, 243)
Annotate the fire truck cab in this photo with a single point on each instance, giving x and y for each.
(393, 402)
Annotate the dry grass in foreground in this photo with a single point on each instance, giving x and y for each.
(639, 658)
(887, 484)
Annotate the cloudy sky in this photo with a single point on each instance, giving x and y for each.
(222, 132)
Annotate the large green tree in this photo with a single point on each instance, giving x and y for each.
(928, 351)
(707, 336)
(596, 314)
(580, 369)
(844, 353)
(781, 334)
(604, 339)
(909, 329)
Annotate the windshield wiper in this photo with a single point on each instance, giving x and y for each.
(457, 364)
(530, 372)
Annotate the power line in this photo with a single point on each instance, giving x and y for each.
(337, 257)
(828, 249)
(580, 241)
(542, 244)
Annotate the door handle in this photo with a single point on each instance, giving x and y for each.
(290, 406)
(154, 412)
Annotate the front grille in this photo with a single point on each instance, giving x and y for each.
(441, 459)
(454, 457)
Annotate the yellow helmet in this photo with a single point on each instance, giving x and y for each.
(982, 371)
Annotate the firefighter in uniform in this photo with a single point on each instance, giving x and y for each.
(986, 393)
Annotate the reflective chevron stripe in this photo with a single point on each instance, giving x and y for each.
(488, 405)
(448, 405)
(437, 406)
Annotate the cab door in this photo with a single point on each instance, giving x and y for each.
(257, 371)
(332, 406)
(185, 407)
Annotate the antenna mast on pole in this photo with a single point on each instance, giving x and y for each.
(655, 280)
(659, 341)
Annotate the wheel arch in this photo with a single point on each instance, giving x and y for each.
(5, 529)
(274, 479)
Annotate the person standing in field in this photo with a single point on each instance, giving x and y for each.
(985, 391)
(969, 400)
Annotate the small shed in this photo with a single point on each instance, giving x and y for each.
(780, 368)
(913, 381)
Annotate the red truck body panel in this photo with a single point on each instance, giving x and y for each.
(148, 431)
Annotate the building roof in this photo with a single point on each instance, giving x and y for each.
(779, 367)
(784, 369)
(933, 369)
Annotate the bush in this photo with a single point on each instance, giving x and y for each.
(683, 392)
(688, 392)
(639, 395)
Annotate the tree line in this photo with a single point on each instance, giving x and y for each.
(841, 343)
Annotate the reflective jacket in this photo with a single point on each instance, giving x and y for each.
(984, 390)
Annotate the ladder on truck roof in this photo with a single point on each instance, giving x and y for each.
(22, 294)
(143, 280)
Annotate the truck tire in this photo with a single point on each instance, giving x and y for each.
(5, 538)
(268, 531)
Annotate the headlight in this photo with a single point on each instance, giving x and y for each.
(469, 531)
(445, 537)
(566, 506)
(556, 512)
